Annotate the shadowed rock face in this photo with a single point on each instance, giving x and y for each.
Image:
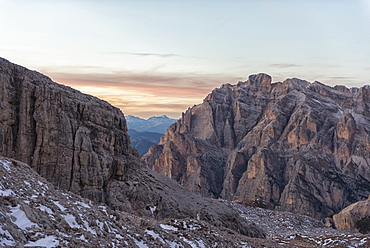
(75, 141)
(298, 146)
(80, 143)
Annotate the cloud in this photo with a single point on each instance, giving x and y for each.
(285, 65)
(144, 94)
(162, 55)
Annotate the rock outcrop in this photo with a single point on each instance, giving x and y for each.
(35, 214)
(355, 217)
(79, 143)
(298, 146)
(74, 140)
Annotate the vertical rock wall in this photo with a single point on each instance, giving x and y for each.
(299, 146)
(75, 141)
(79, 143)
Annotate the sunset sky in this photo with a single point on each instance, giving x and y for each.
(161, 57)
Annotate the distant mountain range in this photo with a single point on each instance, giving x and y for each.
(143, 140)
(156, 124)
(147, 132)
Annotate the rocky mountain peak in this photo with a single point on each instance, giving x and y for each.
(290, 143)
(259, 81)
(80, 144)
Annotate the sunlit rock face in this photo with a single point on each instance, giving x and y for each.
(355, 217)
(299, 146)
(79, 143)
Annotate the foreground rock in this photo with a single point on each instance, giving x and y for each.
(354, 217)
(294, 145)
(79, 143)
(33, 213)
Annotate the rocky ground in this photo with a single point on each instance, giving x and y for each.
(294, 230)
(33, 213)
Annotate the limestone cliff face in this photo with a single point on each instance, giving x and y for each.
(75, 141)
(299, 146)
(80, 144)
(355, 217)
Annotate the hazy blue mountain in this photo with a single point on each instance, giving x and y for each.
(157, 124)
(143, 140)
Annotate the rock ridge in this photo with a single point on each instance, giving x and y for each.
(79, 143)
(299, 146)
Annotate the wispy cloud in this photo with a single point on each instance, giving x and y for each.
(162, 55)
(285, 65)
(144, 94)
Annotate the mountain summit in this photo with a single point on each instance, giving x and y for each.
(156, 124)
(80, 144)
(295, 145)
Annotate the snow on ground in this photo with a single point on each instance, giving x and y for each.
(60, 206)
(20, 218)
(6, 164)
(168, 227)
(71, 220)
(45, 209)
(49, 241)
(6, 238)
(5, 192)
(33, 213)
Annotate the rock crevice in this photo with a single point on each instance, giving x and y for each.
(299, 146)
(80, 143)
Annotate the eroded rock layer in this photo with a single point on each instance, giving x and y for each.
(298, 146)
(79, 143)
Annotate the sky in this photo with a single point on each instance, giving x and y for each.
(155, 57)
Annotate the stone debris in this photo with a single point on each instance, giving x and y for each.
(34, 213)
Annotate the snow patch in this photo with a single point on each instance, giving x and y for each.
(191, 243)
(6, 165)
(21, 219)
(104, 209)
(152, 209)
(87, 226)
(140, 244)
(49, 241)
(154, 235)
(168, 227)
(71, 220)
(83, 204)
(6, 192)
(42, 184)
(60, 206)
(201, 244)
(100, 225)
(6, 238)
(45, 209)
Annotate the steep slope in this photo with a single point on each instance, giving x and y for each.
(34, 213)
(79, 143)
(298, 146)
